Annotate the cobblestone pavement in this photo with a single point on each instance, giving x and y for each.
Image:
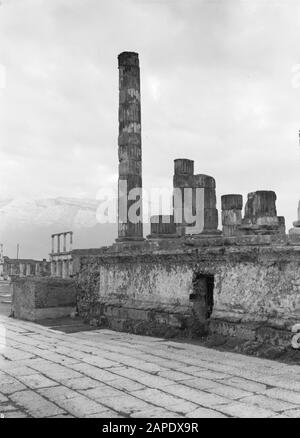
(46, 373)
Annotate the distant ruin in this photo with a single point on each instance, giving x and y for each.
(10, 268)
(61, 261)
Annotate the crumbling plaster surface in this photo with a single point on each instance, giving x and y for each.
(253, 283)
(258, 291)
(151, 281)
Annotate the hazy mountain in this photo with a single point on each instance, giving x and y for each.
(31, 223)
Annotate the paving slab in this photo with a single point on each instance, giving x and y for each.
(105, 374)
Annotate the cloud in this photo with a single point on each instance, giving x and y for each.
(217, 87)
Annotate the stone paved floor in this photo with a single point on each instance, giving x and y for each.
(46, 373)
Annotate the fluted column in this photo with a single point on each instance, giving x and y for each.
(53, 268)
(130, 150)
(71, 241)
(195, 196)
(232, 206)
(183, 179)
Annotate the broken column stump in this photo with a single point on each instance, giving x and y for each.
(38, 298)
(232, 206)
(182, 182)
(294, 233)
(194, 201)
(261, 215)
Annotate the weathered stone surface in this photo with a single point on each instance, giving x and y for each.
(130, 155)
(232, 202)
(109, 374)
(41, 298)
(297, 222)
(261, 215)
(204, 207)
(182, 166)
(281, 221)
(231, 214)
(205, 181)
(162, 226)
(10, 268)
(295, 232)
(147, 288)
(231, 218)
(260, 204)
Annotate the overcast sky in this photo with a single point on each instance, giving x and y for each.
(217, 86)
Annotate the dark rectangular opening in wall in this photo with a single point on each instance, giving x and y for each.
(203, 295)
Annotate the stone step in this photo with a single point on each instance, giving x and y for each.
(67, 325)
(6, 301)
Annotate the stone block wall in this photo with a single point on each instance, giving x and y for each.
(146, 289)
(41, 298)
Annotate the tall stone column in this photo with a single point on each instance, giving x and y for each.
(130, 150)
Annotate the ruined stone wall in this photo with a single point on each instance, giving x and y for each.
(148, 290)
